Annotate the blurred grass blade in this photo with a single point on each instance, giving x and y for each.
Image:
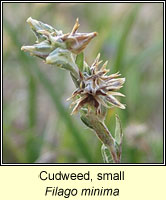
(151, 52)
(125, 34)
(12, 151)
(135, 69)
(30, 67)
(80, 61)
(32, 145)
(118, 64)
(64, 114)
(32, 100)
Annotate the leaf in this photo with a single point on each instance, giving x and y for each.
(32, 101)
(80, 61)
(85, 120)
(76, 82)
(121, 47)
(118, 131)
(63, 59)
(86, 68)
(106, 154)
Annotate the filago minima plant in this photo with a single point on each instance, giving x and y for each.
(95, 89)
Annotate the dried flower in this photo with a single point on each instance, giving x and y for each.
(76, 42)
(97, 88)
(49, 39)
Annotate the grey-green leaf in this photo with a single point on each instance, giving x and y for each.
(106, 154)
(80, 61)
(85, 120)
(75, 80)
(118, 131)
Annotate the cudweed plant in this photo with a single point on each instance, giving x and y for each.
(95, 89)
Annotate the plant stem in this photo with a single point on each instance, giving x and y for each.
(103, 134)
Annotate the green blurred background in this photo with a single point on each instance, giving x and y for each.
(37, 126)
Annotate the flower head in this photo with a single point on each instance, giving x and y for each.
(76, 42)
(97, 89)
(49, 39)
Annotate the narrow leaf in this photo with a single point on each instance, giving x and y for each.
(76, 82)
(118, 131)
(85, 120)
(128, 25)
(80, 61)
(106, 154)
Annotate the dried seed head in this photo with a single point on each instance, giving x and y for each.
(49, 39)
(97, 88)
(76, 42)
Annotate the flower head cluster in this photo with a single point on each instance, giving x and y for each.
(49, 40)
(97, 89)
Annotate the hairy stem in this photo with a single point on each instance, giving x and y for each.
(103, 134)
